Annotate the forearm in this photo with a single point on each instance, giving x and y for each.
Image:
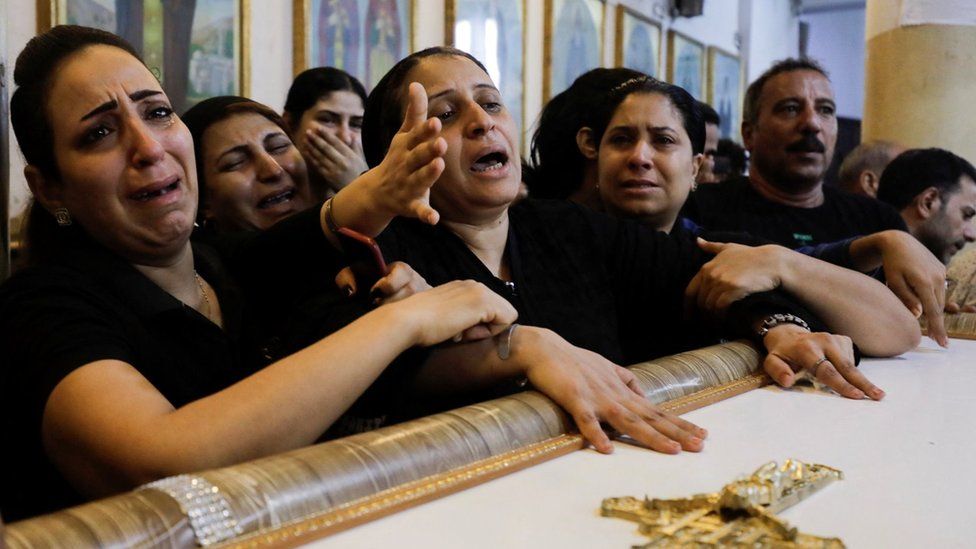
(287, 405)
(471, 367)
(867, 251)
(851, 304)
(356, 207)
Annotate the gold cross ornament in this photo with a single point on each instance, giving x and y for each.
(743, 514)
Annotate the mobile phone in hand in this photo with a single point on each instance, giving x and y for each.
(365, 258)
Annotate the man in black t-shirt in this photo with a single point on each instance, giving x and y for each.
(790, 128)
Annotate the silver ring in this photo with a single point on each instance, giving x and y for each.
(816, 365)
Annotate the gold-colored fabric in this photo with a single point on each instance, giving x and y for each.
(266, 493)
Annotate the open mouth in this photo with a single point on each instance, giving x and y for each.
(489, 162)
(277, 198)
(150, 194)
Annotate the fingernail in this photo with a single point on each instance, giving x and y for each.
(457, 338)
(878, 394)
(348, 290)
(674, 447)
(702, 432)
(695, 440)
(784, 380)
(858, 394)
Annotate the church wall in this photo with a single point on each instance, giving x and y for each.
(759, 31)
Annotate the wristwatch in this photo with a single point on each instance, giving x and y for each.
(775, 320)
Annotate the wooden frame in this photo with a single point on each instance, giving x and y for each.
(54, 12)
(547, 57)
(728, 108)
(623, 13)
(676, 40)
(450, 18)
(302, 56)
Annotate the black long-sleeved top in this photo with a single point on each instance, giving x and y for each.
(610, 286)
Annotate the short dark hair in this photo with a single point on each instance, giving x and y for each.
(709, 114)
(915, 170)
(210, 111)
(591, 101)
(870, 155)
(750, 107)
(316, 83)
(384, 106)
(33, 74)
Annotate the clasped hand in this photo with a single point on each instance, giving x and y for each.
(735, 272)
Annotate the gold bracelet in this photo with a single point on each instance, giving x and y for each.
(330, 221)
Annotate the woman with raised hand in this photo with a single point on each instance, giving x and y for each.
(590, 290)
(325, 111)
(126, 350)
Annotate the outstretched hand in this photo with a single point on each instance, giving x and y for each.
(594, 390)
(918, 279)
(413, 162)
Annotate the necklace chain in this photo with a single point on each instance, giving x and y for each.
(203, 292)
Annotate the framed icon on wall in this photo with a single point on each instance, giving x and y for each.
(197, 49)
(725, 90)
(686, 63)
(494, 32)
(573, 37)
(638, 42)
(362, 37)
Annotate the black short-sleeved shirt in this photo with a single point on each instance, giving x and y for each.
(735, 206)
(92, 306)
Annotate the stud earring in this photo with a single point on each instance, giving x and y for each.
(62, 216)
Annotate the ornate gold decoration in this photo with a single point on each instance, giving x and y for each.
(742, 514)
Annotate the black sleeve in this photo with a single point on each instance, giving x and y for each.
(47, 332)
(650, 272)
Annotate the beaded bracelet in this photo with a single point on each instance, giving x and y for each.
(775, 320)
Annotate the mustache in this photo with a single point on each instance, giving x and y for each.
(808, 143)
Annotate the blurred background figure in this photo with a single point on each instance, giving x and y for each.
(861, 169)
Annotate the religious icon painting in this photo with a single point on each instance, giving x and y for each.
(573, 42)
(638, 42)
(197, 49)
(362, 37)
(686, 63)
(725, 90)
(493, 32)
